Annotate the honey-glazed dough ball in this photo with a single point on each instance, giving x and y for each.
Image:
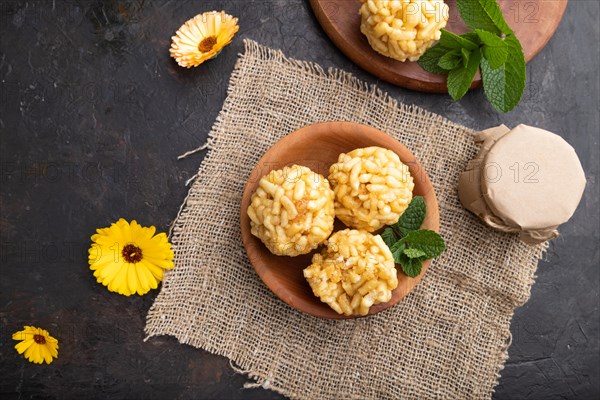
(354, 272)
(292, 211)
(372, 188)
(402, 29)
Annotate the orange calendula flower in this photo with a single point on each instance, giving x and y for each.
(37, 344)
(202, 38)
(129, 258)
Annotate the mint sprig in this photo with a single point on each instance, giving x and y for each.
(409, 244)
(492, 47)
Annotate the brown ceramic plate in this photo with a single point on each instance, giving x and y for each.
(533, 21)
(317, 147)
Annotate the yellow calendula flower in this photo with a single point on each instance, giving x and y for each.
(37, 344)
(202, 38)
(129, 258)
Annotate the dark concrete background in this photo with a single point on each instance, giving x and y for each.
(92, 117)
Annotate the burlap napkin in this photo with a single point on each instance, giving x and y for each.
(447, 339)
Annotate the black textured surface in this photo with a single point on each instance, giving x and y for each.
(92, 117)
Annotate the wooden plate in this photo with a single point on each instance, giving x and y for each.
(318, 147)
(533, 21)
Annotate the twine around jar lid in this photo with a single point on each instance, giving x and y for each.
(525, 180)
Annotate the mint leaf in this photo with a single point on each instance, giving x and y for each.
(495, 50)
(450, 60)
(414, 253)
(504, 86)
(489, 39)
(429, 242)
(466, 54)
(398, 252)
(429, 60)
(460, 79)
(495, 56)
(389, 237)
(452, 41)
(412, 266)
(472, 36)
(483, 14)
(412, 218)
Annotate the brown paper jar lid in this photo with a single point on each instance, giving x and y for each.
(532, 178)
(524, 180)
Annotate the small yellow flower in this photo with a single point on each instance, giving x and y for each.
(37, 344)
(129, 258)
(202, 38)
